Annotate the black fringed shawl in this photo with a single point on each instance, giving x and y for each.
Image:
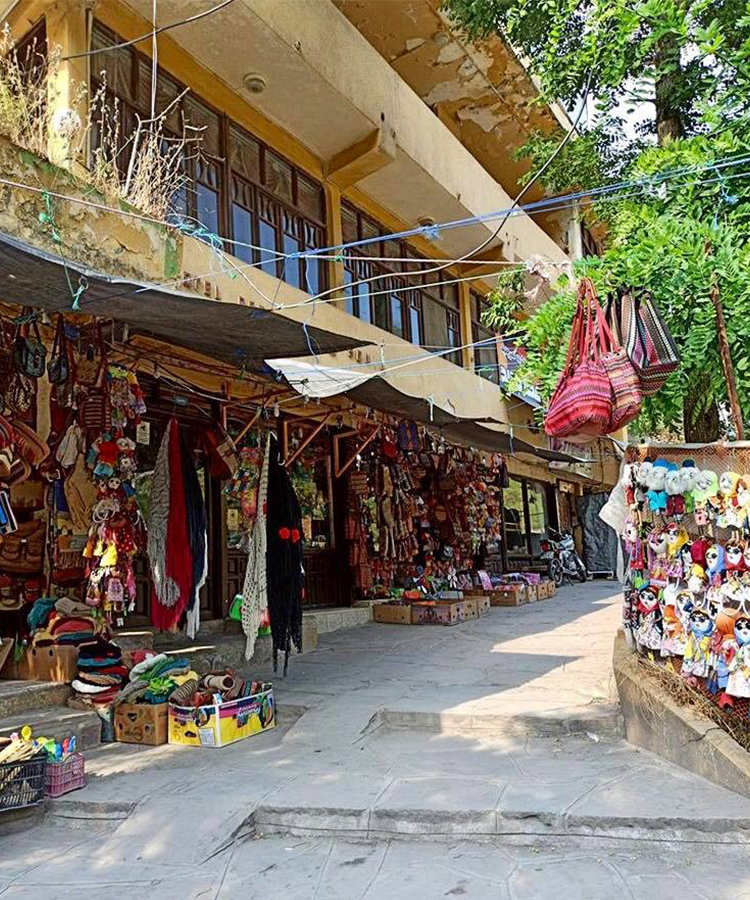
(284, 561)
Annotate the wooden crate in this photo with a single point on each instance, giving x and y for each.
(509, 595)
(392, 613)
(471, 608)
(483, 605)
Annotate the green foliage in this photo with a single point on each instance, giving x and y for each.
(506, 301)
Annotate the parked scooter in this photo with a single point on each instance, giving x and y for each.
(563, 561)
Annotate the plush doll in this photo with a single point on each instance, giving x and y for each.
(698, 551)
(629, 482)
(677, 537)
(657, 494)
(689, 476)
(726, 499)
(697, 656)
(715, 562)
(634, 546)
(706, 488)
(657, 556)
(673, 486)
(742, 503)
(686, 560)
(738, 683)
(746, 556)
(649, 632)
(674, 633)
(698, 581)
(735, 559)
(723, 649)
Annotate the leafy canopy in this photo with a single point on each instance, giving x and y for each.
(685, 68)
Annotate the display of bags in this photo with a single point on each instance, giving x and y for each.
(22, 553)
(582, 404)
(58, 368)
(645, 337)
(92, 361)
(29, 353)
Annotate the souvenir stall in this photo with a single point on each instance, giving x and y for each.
(687, 566)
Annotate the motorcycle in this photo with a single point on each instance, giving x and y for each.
(563, 561)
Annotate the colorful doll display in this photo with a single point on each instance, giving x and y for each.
(687, 601)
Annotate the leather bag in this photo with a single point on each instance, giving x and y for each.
(58, 368)
(22, 552)
(29, 353)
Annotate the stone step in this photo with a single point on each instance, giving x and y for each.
(18, 696)
(338, 618)
(57, 722)
(602, 721)
(491, 824)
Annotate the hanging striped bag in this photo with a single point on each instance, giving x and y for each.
(581, 406)
(645, 337)
(627, 396)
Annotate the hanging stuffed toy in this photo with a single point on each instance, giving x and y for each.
(674, 621)
(657, 494)
(738, 682)
(742, 503)
(688, 477)
(673, 486)
(735, 559)
(706, 488)
(634, 546)
(649, 632)
(715, 562)
(657, 548)
(697, 656)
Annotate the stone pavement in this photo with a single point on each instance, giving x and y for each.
(480, 761)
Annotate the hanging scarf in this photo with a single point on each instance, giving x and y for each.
(284, 561)
(197, 523)
(177, 534)
(254, 590)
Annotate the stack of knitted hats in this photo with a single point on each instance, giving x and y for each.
(101, 672)
(61, 622)
(154, 677)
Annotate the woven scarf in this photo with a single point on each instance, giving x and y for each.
(158, 521)
(255, 590)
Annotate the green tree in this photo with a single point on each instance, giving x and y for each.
(684, 69)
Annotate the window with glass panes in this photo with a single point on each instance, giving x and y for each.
(418, 309)
(485, 346)
(238, 188)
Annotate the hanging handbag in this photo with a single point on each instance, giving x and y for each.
(20, 393)
(645, 337)
(92, 361)
(22, 552)
(627, 397)
(408, 436)
(58, 368)
(29, 353)
(581, 405)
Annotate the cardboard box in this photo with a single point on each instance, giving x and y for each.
(437, 613)
(531, 593)
(141, 723)
(546, 590)
(471, 610)
(392, 613)
(220, 724)
(483, 605)
(508, 595)
(51, 663)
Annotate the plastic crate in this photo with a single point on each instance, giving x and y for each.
(23, 783)
(66, 776)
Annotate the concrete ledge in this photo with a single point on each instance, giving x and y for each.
(655, 721)
(327, 621)
(604, 720)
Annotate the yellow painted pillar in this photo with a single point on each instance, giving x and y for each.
(334, 238)
(464, 296)
(68, 32)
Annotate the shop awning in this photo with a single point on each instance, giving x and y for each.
(369, 389)
(238, 335)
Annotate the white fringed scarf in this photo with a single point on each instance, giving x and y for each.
(254, 590)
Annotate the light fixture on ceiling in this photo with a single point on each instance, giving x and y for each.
(254, 83)
(426, 221)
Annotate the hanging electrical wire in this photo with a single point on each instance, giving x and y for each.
(151, 34)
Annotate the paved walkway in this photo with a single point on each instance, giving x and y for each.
(481, 761)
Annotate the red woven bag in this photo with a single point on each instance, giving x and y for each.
(581, 406)
(627, 396)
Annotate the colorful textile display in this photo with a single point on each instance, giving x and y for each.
(285, 575)
(255, 587)
(177, 538)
